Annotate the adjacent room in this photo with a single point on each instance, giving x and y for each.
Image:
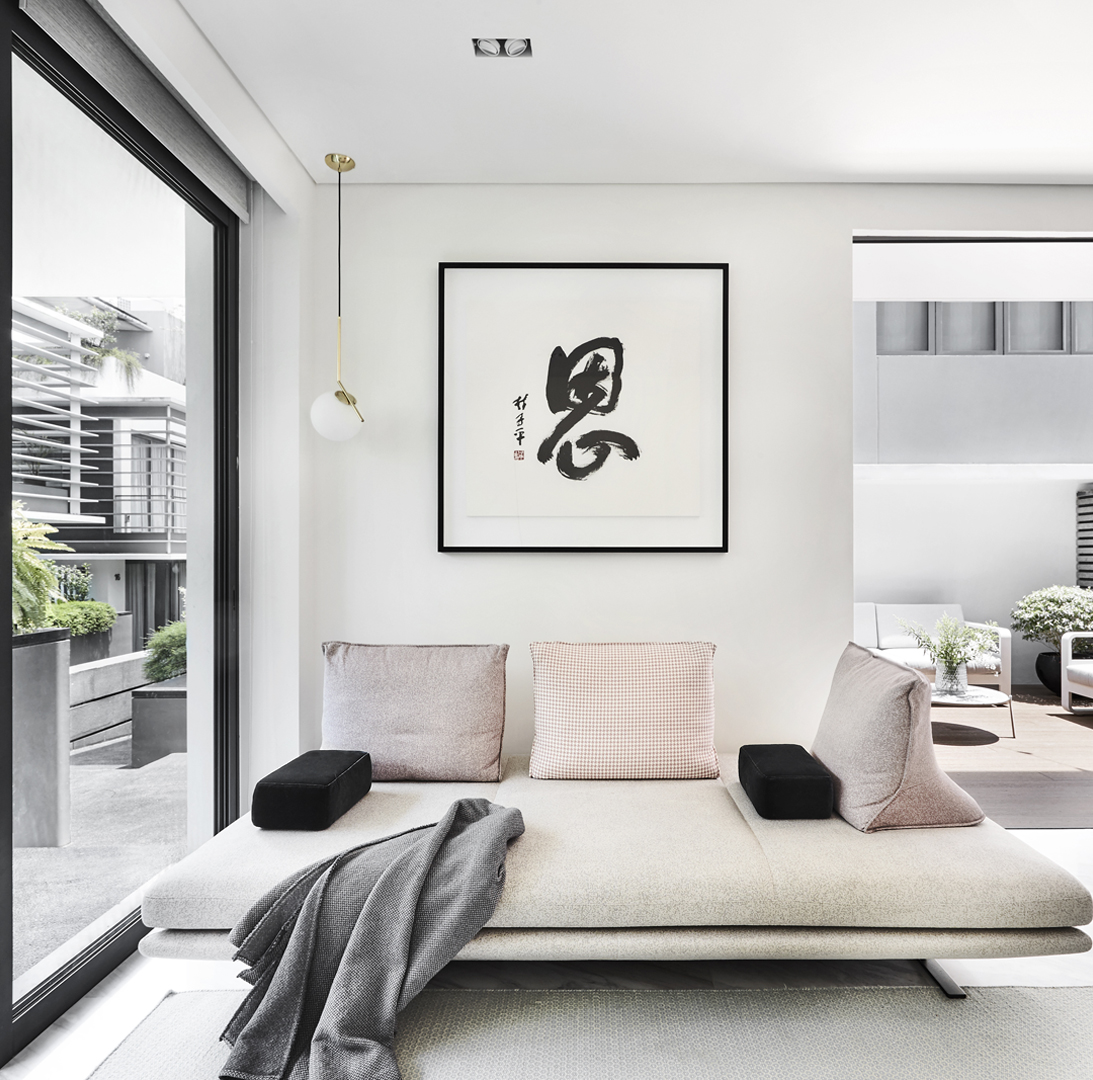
(549, 541)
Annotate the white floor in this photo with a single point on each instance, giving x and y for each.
(78, 1043)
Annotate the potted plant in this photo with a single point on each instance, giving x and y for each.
(90, 622)
(951, 649)
(166, 652)
(33, 579)
(159, 710)
(1047, 614)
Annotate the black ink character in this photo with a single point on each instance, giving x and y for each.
(588, 380)
(521, 402)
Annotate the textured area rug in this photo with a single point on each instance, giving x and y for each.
(1005, 1033)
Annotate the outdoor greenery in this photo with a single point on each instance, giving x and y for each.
(1047, 614)
(167, 647)
(954, 643)
(82, 616)
(73, 582)
(107, 322)
(33, 579)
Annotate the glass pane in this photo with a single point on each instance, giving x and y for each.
(111, 323)
(903, 326)
(1036, 326)
(1083, 325)
(966, 327)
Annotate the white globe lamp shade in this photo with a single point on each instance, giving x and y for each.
(333, 419)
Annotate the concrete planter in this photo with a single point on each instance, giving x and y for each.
(39, 739)
(159, 721)
(113, 642)
(101, 697)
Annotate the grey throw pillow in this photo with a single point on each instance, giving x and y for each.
(424, 712)
(875, 740)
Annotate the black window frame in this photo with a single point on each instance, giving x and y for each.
(32, 1014)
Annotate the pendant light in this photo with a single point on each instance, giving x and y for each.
(335, 415)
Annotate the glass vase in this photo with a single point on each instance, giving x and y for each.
(951, 680)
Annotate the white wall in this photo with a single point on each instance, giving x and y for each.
(779, 603)
(269, 489)
(981, 536)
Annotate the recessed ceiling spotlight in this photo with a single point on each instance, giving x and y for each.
(501, 46)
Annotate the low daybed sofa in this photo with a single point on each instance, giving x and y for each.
(646, 868)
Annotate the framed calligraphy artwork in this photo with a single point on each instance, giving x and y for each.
(583, 407)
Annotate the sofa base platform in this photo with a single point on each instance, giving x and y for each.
(701, 943)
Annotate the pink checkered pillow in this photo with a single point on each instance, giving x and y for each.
(623, 711)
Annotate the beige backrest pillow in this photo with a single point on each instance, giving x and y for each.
(424, 712)
(875, 740)
(623, 710)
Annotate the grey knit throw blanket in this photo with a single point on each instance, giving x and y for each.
(338, 949)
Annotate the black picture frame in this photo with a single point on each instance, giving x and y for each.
(478, 305)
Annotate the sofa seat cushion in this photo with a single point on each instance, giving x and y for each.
(215, 885)
(919, 659)
(660, 853)
(829, 874)
(630, 853)
(1080, 672)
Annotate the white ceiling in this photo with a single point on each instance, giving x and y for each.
(681, 91)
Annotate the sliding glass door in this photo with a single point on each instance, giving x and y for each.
(123, 677)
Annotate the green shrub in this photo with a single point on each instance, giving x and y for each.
(33, 581)
(74, 582)
(168, 652)
(82, 616)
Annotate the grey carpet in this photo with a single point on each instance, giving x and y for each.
(1032, 800)
(911, 1033)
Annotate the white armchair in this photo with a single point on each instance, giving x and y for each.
(877, 627)
(1077, 675)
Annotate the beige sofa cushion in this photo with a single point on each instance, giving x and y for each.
(215, 885)
(623, 711)
(1080, 672)
(660, 853)
(875, 740)
(424, 712)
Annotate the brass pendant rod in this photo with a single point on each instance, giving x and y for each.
(339, 269)
(342, 163)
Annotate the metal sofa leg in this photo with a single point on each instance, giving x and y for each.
(943, 979)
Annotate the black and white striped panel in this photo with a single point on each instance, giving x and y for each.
(1085, 536)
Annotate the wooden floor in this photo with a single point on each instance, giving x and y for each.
(1042, 779)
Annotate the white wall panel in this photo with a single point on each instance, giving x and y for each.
(970, 271)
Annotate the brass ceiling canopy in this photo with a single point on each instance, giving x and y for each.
(340, 162)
